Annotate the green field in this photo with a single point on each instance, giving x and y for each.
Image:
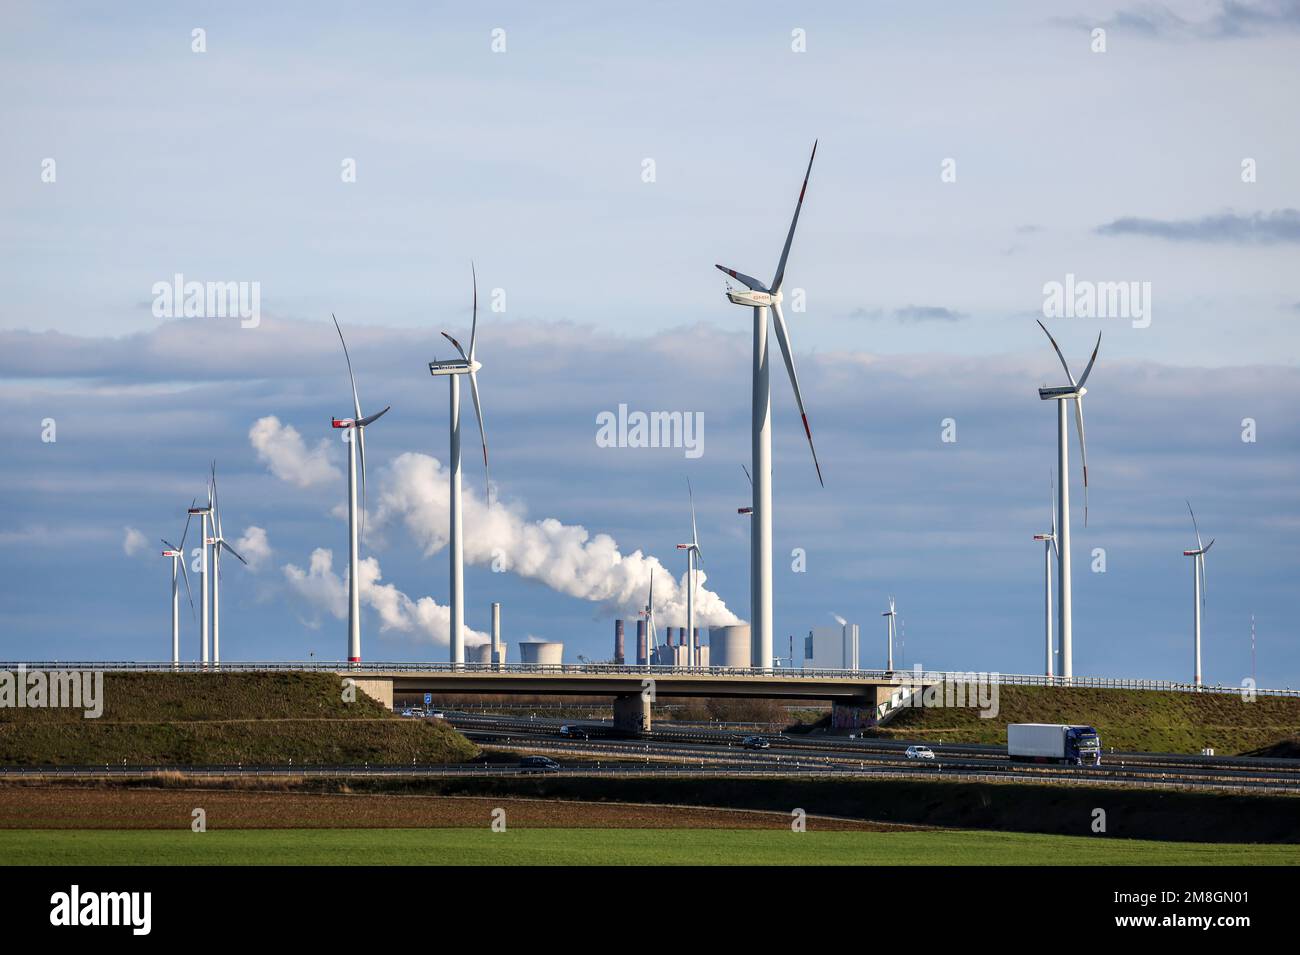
(1153, 721)
(609, 847)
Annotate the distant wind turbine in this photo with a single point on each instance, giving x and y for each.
(205, 513)
(356, 426)
(1073, 392)
(453, 369)
(177, 554)
(1049, 546)
(693, 554)
(1198, 588)
(218, 543)
(760, 298)
(891, 613)
(652, 635)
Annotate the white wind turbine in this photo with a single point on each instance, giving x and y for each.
(453, 369)
(760, 298)
(205, 513)
(1049, 546)
(356, 426)
(1198, 587)
(1073, 392)
(177, 554)
(652, 635)
(891, 613)
(693, 554)
(218, 544)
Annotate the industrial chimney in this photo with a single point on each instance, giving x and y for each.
(496, 656)
(618, 642)
(641, 657)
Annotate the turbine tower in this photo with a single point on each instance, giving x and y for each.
(1198, 589)
(652, 636)
(891, 613)
(177, 554)
(356, 426)
(692, 554)
(453, 369)
(204, 512)
(1073, 392)
(1049, 546)
(218, 543)
(760, 298)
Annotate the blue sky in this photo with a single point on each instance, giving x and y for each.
(225, 166)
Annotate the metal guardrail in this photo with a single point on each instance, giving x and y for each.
(898, 677)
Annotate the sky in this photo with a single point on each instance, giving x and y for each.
(594, 164)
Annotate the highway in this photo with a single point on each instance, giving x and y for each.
(793, 754)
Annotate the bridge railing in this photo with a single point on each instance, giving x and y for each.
(911, 677)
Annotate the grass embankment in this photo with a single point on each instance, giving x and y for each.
(1128, 720)
(177, 719)
(481, 846)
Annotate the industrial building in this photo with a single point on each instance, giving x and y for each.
(541, 652)
(831, 648)
(730, 646)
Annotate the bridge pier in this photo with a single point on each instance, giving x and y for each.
(632, 713)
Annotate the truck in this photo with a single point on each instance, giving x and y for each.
(1053, 743)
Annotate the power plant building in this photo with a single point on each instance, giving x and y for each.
(831, 648)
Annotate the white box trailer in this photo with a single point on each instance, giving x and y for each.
(1053, 743)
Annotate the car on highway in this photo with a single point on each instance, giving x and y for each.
(437, 715)
(573, 731)
(919, 752)
(538, 764)
(755, 742)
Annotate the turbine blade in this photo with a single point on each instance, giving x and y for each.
(482, 433)
(216, 500)
(789, 237)
(1083, 454)
(748, 281)
(473, 328)
(783, 339)
(370, 419)
(1058, 353)
(359, 436)
(1199, 545)
(223, 544)
(356, 402)
(1091, 361)
(457, 344)
(186, 577)
(695, 538)
(188, 517)
(168, 545)
(747, 477)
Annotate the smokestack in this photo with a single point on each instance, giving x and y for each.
(618, 642)
(496, 633)
(640, 643)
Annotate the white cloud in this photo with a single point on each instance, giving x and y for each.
(133, 542)
(281, 448)
(324, 589)
(254, 547)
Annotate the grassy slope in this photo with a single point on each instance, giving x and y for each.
(609, 846)
(211, 718)
(1132, 720)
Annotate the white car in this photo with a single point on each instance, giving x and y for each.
(919, 752)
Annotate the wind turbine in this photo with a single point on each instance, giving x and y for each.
(760, 298)
(1198, 586)
(1074, 392)
(453, 368)
(1049, 545)
(693, 553)
(652, 636)
(356, 425)
(205, 512)
(218, 544)
(177, 554)
(891, 613)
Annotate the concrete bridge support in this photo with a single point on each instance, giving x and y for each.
(632, 713)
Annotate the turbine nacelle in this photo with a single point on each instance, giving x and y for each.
(172, 553)
(1061, 394)
(454, 366)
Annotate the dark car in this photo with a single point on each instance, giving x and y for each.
(755, 742)
(573, 731)
(538, 764)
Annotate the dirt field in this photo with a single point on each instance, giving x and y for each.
(79, 807)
